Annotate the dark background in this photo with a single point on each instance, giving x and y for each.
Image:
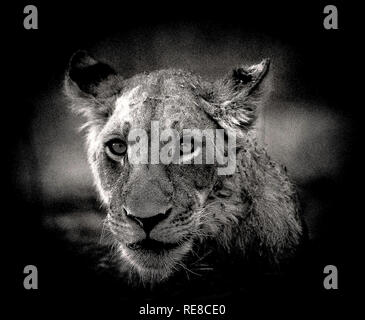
(309, 126)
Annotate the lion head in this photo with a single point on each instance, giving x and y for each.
(158, 210)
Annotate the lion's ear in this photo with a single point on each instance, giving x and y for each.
(88, 78)
(239, 95)
(88, 83)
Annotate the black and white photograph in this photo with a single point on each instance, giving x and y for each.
(182, 160)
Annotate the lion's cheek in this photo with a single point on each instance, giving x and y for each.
(109, 177)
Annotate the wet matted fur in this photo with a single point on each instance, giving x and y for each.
(252, 212)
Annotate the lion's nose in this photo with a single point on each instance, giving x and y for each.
(150, 222)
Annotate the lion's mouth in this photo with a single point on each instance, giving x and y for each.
(153, 246)
(156, 260)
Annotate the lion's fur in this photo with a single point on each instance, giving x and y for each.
(271, 223)
(255, 210)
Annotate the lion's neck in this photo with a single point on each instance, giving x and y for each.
(260, 206)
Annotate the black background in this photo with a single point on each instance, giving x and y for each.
(35, 56)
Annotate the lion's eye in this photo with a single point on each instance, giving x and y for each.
(115, 148)
(186, 146)
(189, 149)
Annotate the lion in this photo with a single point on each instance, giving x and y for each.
(159, 213)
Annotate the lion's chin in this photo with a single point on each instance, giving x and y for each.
(155, 265)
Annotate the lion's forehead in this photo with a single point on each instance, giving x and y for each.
(171, 105)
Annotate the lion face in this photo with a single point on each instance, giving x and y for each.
(153, 209)
(158, 209)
